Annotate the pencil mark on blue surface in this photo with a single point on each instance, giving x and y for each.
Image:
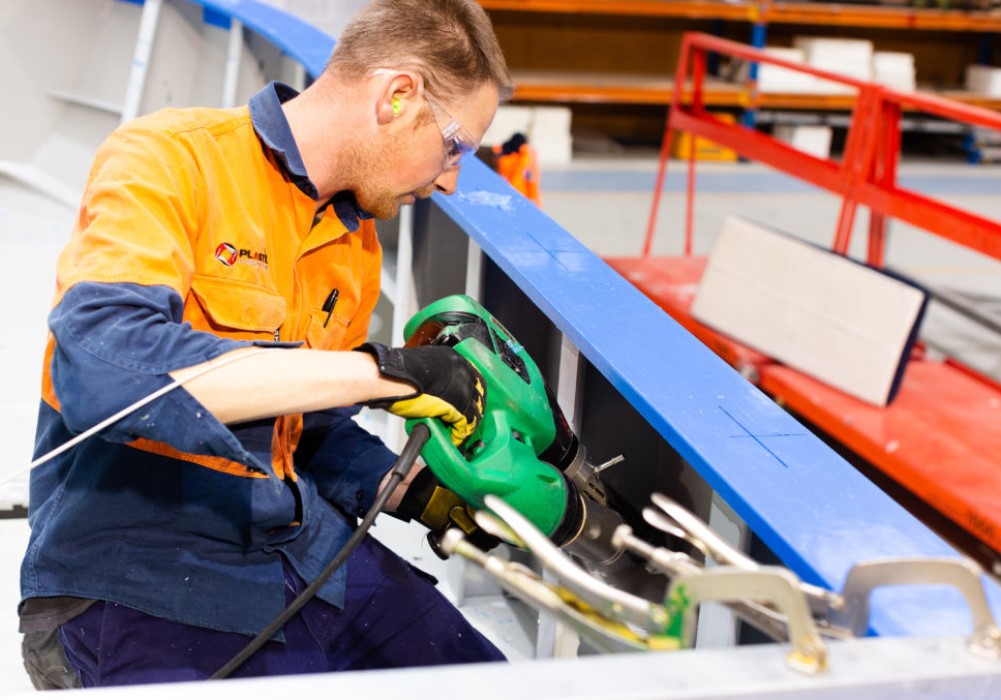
(755, 437)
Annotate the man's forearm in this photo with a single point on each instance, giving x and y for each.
(282, 381)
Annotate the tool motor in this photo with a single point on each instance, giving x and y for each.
(523, 449)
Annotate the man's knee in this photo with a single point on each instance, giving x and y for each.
(45, 661)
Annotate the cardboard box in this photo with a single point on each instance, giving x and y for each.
(546, 128)
(772, 78)
(984, 79)
(894, 69)
(815, 140)
(827, 50)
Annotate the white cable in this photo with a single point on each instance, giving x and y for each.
(216, 364)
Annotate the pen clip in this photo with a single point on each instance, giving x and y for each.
(329, 305)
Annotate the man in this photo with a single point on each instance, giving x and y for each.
(161, 545)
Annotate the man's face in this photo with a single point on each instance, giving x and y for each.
(414, 164)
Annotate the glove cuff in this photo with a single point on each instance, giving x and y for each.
(390, 364)
(419, 495)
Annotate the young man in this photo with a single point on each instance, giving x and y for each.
(234, 249)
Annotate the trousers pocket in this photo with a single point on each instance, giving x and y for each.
(46, 663)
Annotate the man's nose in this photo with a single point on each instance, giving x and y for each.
(445, 183)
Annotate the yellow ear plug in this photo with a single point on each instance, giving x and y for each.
(397, 107)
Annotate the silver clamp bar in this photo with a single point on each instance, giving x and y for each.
(962, 574)
(673, 518)
(772, 585)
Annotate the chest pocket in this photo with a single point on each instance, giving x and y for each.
(234, 309)
(325, 333)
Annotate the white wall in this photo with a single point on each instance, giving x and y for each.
(328, 15)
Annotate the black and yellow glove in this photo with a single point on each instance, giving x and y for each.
(437, 508)
(447, 386)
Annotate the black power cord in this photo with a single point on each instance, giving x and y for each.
(418, 437)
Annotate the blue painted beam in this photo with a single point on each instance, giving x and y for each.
(215, 18)
(813, 509)
(302, 41)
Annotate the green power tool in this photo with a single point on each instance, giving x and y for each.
(523, 449)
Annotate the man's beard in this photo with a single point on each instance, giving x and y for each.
(384, 204)
(371, 197)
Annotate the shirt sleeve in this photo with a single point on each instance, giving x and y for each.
(116, 344)
(346, 461)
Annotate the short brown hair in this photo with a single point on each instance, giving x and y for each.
(451, 43)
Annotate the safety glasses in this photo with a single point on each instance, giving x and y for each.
(458, 141)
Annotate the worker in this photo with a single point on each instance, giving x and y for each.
(234, 250)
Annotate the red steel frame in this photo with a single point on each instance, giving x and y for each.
(941, 436)
(867, 172)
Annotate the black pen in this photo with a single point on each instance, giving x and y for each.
(329, 305)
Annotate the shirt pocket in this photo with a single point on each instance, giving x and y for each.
(325, 331)
(235, 309)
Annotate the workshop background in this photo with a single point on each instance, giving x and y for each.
(593, 85)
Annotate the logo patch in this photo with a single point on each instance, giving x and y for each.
(230, 255)
(226, 254)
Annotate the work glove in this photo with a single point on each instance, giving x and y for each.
(447, 386)
(437, 508)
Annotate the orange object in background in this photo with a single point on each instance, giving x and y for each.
(516, 161)
(705, 149)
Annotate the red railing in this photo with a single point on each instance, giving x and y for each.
(865, 175)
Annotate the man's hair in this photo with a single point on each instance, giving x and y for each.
(450, 43)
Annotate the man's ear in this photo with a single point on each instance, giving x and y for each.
(397, 96)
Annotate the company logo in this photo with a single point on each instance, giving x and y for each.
(230, 255)
(226, 254)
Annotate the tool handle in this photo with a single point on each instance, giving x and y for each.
(501, 466)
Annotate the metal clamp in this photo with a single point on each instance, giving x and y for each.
(611, 619)
(606, 635)
(508, 523)
(960, 573)
(673, 518)
(845, 614)
(772, 585)
(678, 564)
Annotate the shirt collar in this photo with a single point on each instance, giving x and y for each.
(272, 128)
(347, 210)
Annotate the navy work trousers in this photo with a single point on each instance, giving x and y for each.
(393, 617)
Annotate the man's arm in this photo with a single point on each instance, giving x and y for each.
(282, 381)
(292, 381)
(418, 382)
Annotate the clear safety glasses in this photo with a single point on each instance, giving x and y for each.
(458, 141)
